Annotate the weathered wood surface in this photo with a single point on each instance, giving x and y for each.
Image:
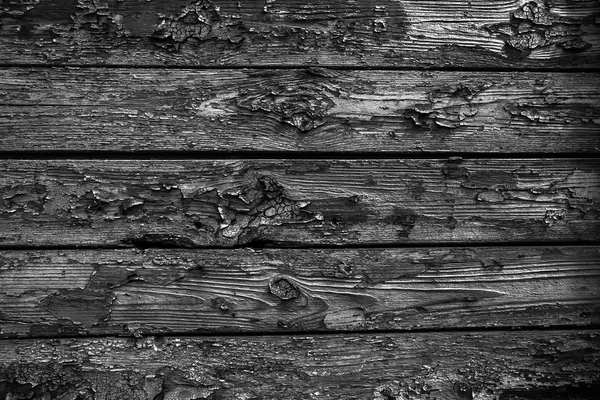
(409, 33)
(312, 110)
(442, 366)
(100, 292)
(297, 202)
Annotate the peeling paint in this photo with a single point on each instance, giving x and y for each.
(87, 306)
(491, 196)
(534, 25)
(302, 105)
(453, 169)
(404, 218)
(23, 198)
(491, 179)
(554, 216)
(198, 21)
(262, 205)
(547, 113)
(95, 14)
(447, 107)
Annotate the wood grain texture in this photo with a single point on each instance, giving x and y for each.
(296, 202)
(128, 292)
(433, 366)
(311, 110)
(409, 33)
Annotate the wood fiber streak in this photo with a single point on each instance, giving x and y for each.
(107, 292)
(311, 110)
(443, 366)
(534, 34)
(299, 202)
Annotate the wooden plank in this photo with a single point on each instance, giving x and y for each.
(312, 110)
(125, 292)
(444, 366)
(297, 202)
(409, 33)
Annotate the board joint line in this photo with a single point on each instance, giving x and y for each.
(149, 155)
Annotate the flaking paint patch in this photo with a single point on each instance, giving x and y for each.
(426, 115)
(302, 104)
(534, 26)
(88, 307)
(491, 196)
(552, 114)
(198, 21)
(447, 106)
(453, 169)
(307, 27)
(584, 184)
(263, 204)
(490, 179)
(230, 216)
(404, 218)
(29, 198)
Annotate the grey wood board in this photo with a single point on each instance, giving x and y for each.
(51, 293)
(444, 366)
(538, 34)
(187, 203)
(301, 110)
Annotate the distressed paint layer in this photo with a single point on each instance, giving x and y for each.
(256, 202)
(315, 109)
(407, 33)
(450, 366)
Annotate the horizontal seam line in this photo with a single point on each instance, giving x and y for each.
(573, 243)
(305, 66)
(279, 155)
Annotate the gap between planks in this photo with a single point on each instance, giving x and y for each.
(257, 245)
(151, 155)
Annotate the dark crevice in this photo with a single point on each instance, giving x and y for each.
(149, 155)
(432, 68)
(300, 333)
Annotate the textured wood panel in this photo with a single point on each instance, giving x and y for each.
(103, 292)
(442, 366)
(408, 33)
(312, 110)
(299, 202)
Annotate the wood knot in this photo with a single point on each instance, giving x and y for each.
(220, 303)
(303, 120)
(463, 390)
(283, 289)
